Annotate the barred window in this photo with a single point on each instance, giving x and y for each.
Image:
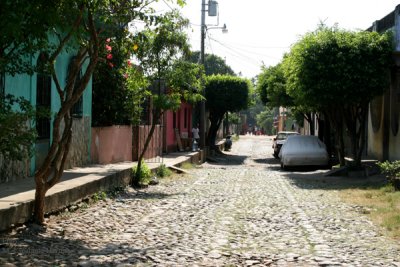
(2, 84)
(43, 99)
(77, 108)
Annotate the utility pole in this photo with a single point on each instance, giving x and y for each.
(203, 103)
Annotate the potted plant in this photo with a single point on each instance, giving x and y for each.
(392, 171)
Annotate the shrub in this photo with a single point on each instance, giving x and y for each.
(145, 173)
(163, 171)
(392, 171)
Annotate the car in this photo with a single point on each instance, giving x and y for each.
(303, 150)
(279, 140)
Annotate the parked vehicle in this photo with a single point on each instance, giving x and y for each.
(279, 140)
(303, 150)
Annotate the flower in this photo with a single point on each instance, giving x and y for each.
(108, 40)
(135, 47)
(110, 64)
(109, 56)
(108, 48)
(129, 63)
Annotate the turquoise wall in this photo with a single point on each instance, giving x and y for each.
(25, 86)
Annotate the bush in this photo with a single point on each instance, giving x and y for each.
(392, 171)
(145, 173)
(163, 171)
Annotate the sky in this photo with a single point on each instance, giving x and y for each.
(261, 31)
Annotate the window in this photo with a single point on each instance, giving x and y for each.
(77, 108)
(185, 116)
(2, 84)
(174, 120)
(43, 100)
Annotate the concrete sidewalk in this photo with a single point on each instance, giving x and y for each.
(17, 198)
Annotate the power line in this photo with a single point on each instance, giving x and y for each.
(241, 50)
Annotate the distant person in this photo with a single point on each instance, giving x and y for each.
(195, 132)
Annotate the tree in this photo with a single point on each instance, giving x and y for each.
(224, 93)
(160, 52)
(77, 27)
(271, 86)
(213, 64)
(337, 73)
(25, 27)
(265, 119)
(109, 90)
(17, 133)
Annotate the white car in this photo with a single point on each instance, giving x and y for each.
(279, 140)
(303, 150)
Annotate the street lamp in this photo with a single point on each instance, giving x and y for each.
(212, 12)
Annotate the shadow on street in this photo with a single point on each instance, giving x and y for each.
(226, 159)
(317, 180)
(29, 242)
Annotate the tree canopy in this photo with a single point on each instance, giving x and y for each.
(337, 73)
(213, 64)
(224, 93)
(271, 86)
(332, 66)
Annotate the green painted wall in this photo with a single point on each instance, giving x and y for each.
(25, 86)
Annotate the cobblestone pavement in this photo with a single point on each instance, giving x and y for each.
(239, 211)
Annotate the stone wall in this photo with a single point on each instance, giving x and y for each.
(14, 170)
(79, 150)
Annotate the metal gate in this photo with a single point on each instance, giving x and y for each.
(153, 153)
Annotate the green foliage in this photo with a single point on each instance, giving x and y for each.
(144, 173)
(159, 52)
(163, 171)
(265, 119)
(187, 166)
(109, 89)
(158, 47)
(337, 73)
(271, 86)
(99, 196)
(185, 80)
(25, 26)
(136, 94)
(331, 66)
(226, 93)
(213, 64)
(17, 134)
(392, 171)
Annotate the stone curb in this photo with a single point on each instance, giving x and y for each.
(17, 208)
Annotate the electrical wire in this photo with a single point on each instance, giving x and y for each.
(240, 51)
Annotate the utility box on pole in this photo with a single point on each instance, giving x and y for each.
(212, 8)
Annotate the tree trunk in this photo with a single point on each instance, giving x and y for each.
(212, 132)
(39, 205)
(136, 178)
(335, 120)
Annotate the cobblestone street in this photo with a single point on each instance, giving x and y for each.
(241, 210)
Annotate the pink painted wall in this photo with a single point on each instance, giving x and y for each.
(140, 134)
(111, 144)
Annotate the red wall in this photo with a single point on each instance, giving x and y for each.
(182, 122)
